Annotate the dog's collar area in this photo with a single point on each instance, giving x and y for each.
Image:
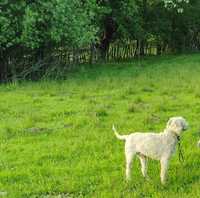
(178, 138)
(180, 152)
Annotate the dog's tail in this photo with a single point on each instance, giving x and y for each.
(120, 137)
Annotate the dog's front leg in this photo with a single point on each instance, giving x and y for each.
(164, 166)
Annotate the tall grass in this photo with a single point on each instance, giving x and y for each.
(56, 138)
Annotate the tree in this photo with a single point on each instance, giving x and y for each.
(40, 25)
(117, 20)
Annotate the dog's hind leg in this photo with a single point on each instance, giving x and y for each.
(143, 161)
(129, 154)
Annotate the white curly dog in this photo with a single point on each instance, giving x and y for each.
(158, 146)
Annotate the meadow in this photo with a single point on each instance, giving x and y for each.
(57, 138)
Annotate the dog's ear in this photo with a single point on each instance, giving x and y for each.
(169, 123)
(177, 126)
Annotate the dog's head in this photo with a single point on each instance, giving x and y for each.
(177, 125)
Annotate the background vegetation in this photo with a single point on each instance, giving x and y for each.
(33, 34)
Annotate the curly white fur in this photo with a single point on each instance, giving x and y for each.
(158, 146)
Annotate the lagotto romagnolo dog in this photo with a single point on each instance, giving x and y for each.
(158, 146)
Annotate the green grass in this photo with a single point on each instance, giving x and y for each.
(56, 137)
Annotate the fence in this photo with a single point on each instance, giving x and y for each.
(117, 51)
(32, 65)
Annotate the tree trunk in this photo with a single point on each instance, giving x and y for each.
(159, 49)
(144, 16)
(3, 66)
(110, 28)
(104, 47)
(142, 47)
(172, 36)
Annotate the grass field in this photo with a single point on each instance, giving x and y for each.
(56, 137)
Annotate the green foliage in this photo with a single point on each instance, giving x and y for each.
(37, 23)
(176, 4)
(31, 35)
(126, 15)
(71, 22)
(11, 17)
